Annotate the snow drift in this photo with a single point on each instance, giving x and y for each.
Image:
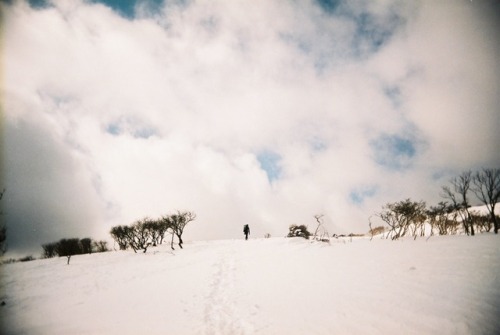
(443, 285)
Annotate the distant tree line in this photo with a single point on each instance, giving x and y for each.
(413, 218)
(146, 232)
(73, 246)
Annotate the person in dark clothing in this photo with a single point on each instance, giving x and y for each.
(246, 230)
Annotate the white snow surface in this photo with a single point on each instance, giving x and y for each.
(441, 285)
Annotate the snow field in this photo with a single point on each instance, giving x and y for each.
(446, 285)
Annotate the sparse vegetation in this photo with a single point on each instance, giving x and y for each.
(377, 231)
(486, 187)
(459, 199)
(321, 233)
(411, 218)
(179, 222)
(68, 247)
(403, 217)
(27, 258)
(100, 246)
(442, 218)
(298, 231)
(151, 232)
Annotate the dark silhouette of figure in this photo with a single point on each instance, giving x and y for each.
(246, 230)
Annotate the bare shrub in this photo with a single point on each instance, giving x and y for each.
(100, 246)
(377, 230)
(298, 231)
(321, 233)
(487, 189)
(402, 217)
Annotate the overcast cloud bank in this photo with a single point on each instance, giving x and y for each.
(262, 112)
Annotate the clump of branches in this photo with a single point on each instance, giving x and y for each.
(147, 232)
(442, 219)
(482, 222)
(458, 194)
(451, 216)
(298, 231)
(178, 223)
(486, 187)
(379, 230)
(403, 217)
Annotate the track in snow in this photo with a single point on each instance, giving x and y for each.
(222, 314)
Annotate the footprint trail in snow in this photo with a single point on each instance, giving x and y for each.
(221, 311)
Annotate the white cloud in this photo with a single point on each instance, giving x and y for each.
(172, 109)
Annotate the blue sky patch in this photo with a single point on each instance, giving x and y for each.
(133, 127)
(38, 4)
(126, 8)
(113, 129)
(317, 144)
(358, 196)
(393, 151)
(393, 93)
(144, 132)
(328, 6)
(270, 162)
(373, 32)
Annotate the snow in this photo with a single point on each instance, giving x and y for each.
(440, 285)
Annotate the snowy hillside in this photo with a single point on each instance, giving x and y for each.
(446, 285)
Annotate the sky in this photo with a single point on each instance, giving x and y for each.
(245, 112)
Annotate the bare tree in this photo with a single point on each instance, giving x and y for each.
(49, 250)
(402, 216)
(134, 236)
(86, 245)
(151, 228)
(178, 223)
(69, 247)
(168, 225)
(139, 236)
(459, 198)
(162, 226)
(121, 236)
(148, 232)
(321, 234)
(100, 246)
(443, 218)
(482, 222)
(487, 189)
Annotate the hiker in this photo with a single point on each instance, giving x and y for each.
(246, 230)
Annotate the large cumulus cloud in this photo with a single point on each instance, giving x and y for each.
(262, 112)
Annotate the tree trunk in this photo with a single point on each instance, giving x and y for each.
(180, 241)
(469, 222)
(495, 223)
(172, 242)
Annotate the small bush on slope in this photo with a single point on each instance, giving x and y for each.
(298, 231)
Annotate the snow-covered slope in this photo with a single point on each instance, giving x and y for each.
(446, 285)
